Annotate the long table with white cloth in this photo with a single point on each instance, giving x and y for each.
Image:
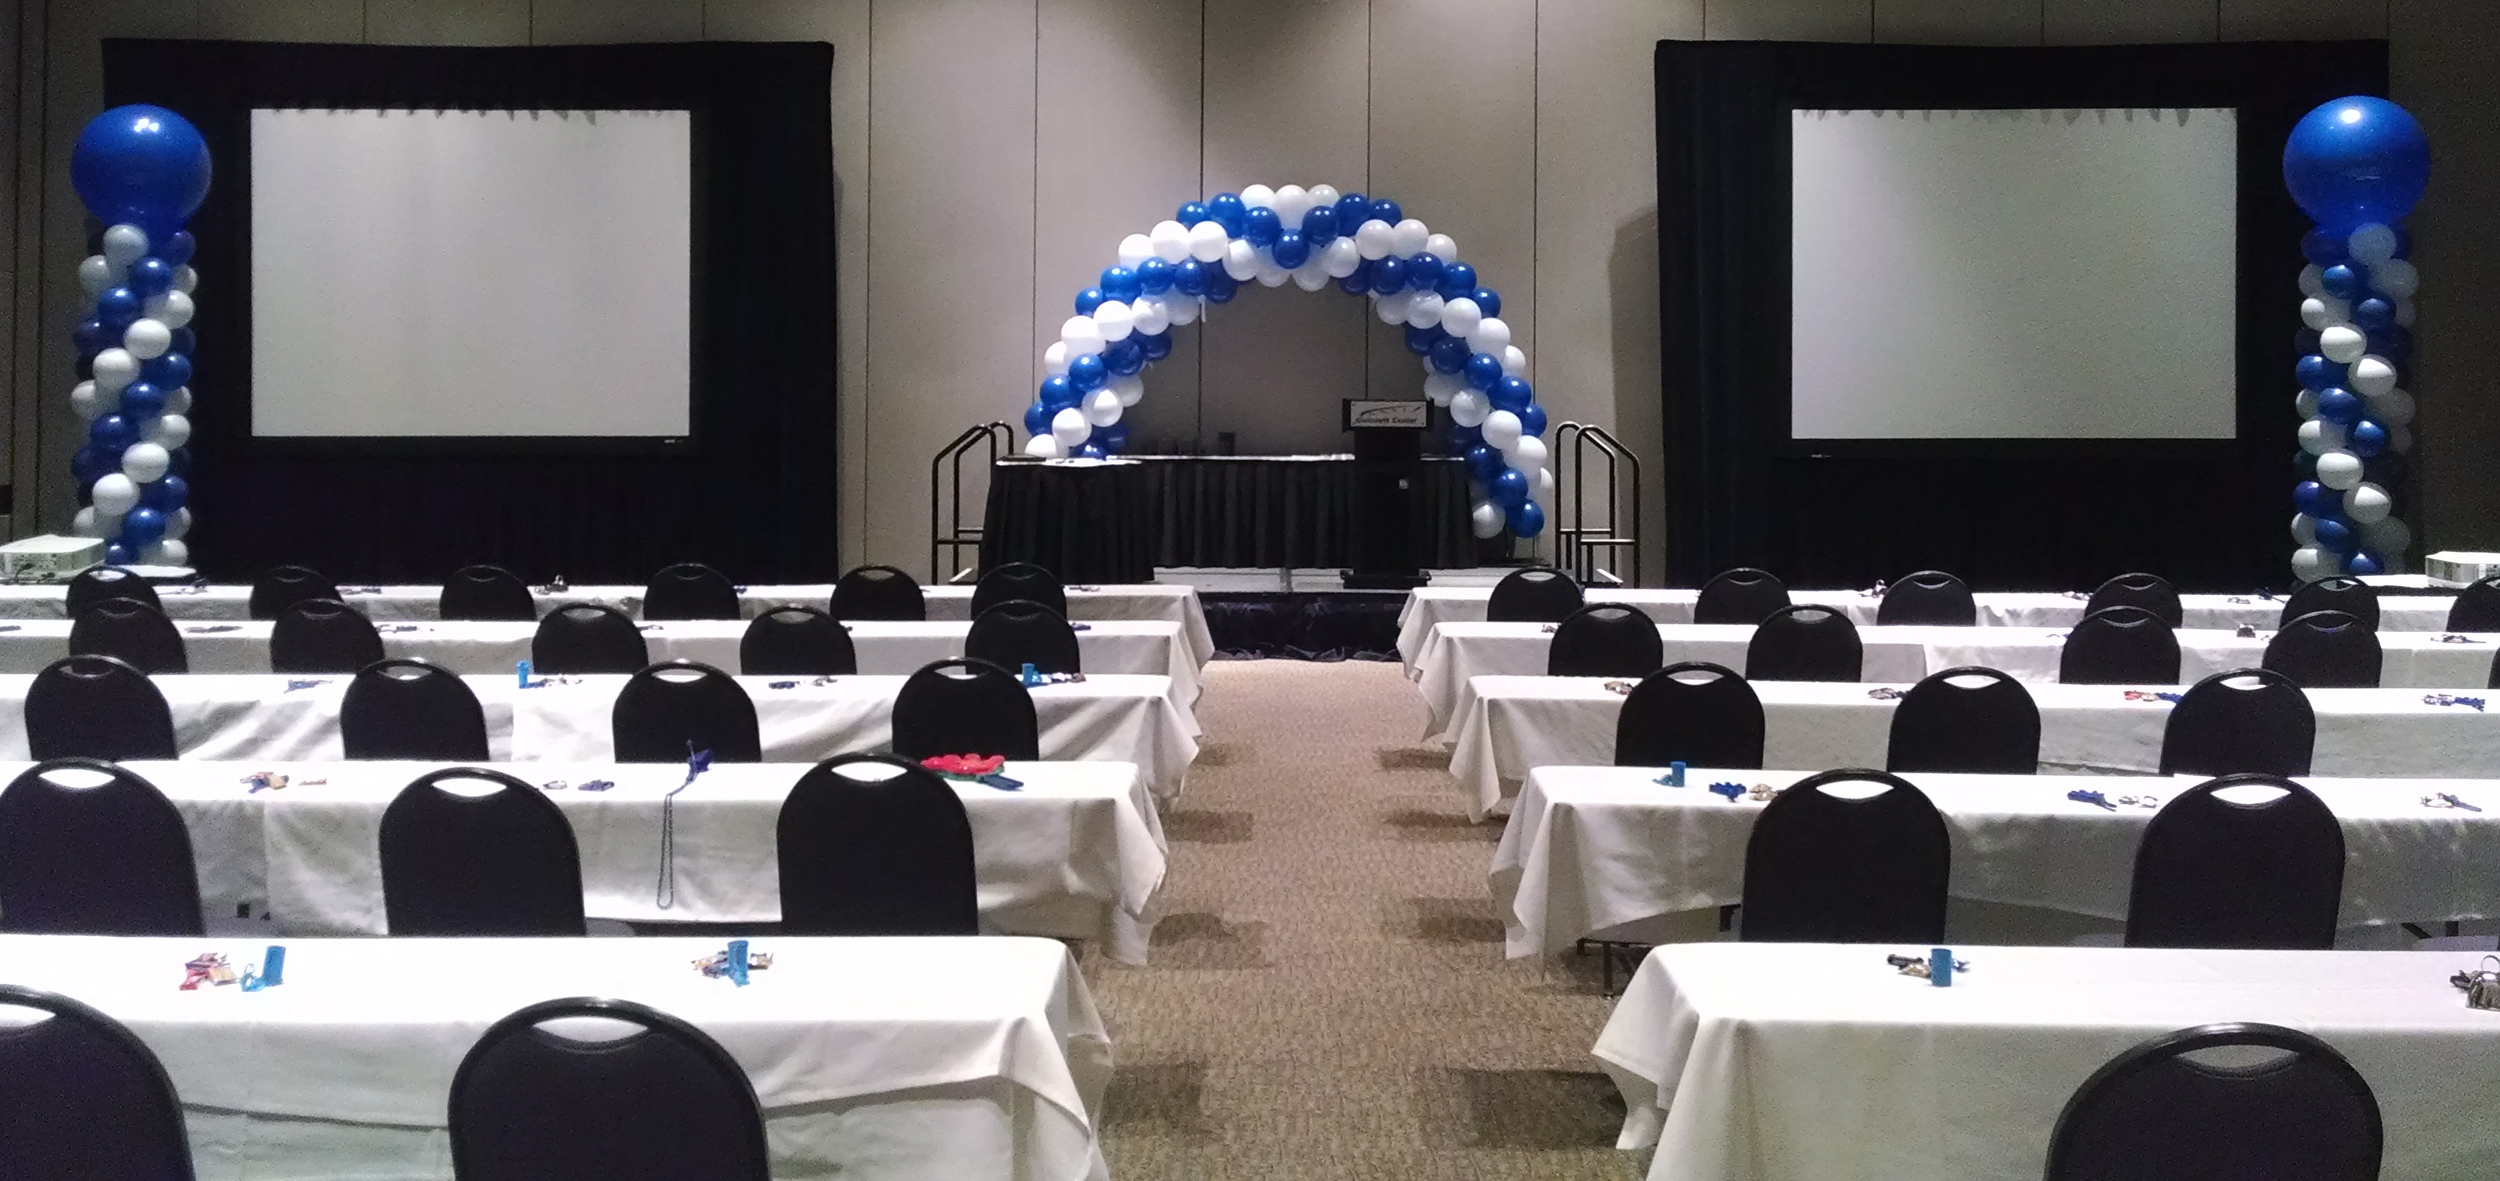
(1077, 852)
(891, 1059)
(1819, 1062)
(1128, 719)
(1427, 606)
(1508, 725)
(1590, 849)
(1454, 652)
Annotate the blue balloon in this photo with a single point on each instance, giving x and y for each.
(1112, 439)
(1090, 449)
(1512, 394)
(1089, 299)
(186, 342)
(116, 308)
(1388, 275)
(1290, 249)
(2339, 405)
(2317, 499)
(2365, 562)
(1260, 226)
(2373, 314)
(1358, 281)
(91, 338)
(2334, 535)
(1532, 419)
(1420, 341)
(150, 276)
(2342, 281)
(2395, 342)
(181, 462)
(1461, 438)
(1087, 373)
(89, 463)
(1353, 209)
(111, 433)
(1191, 213)
(1154, 276)
(2323, 248)
(1058, 393)
(1527, 519)
(1488, 301)
(1158, 345)
(1120, 283)
(1226, 210)
(166, 494)
(2304, 465)
(1508, 486)
(141, 164)
(1036, 418)
(1190, 277)
(1319, 225)
(118, 553)
(1458, 280)
(1483, 461)
(142, 401)
(2365, 439)
(1220, 285)
(143, 527)
(2317, 373)
(176, 248)
(1124, 357)
(1423, 271)
(2306, 340)
(1388, 211)
(1484, 371)
(172, 371)
(2356, 160)
(1449, 354)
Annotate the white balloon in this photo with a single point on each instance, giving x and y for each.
(2313, 280)
(1292, 201)
(1341, 258)
(1372, 239)
(1082, 336)
(1424, 310)
(1491, 336)
(179, 401)
(2318, 436)
(95, 273)
(1544, 491)
(1427, 366)
(2319, 311)
(2339, 470)
(1528, 454)
(1407, 238)
(1271, 274)
(147, 339)
(1468, 407)
(1055, 359)
(89, 401)
(1514, 362)
(1485, 519)
(2304, 529)
(2372, 376)
(2309, 564)
(2404, 313)
(1045, 447)
(83, 523)
(2395, 277)
(1184, 309)
(2306, 402)
(115, 493)
(1207, 242)
(1324, 195)
(2389, 537)
(1310, 276)
(169, 431)
(1460, 316)
(1501, 429)
(1258, 197)
(1114, 320)
(125, 244)
(186, 280)
(2393, 408)
(1441, 387)
(1392, 307)
(145, 462)
(2368, 502)
(1102, 408)
(2371, 244)
(177, 524)
(2343, 344)
(168, 552)
(1150, 314)
(1241, 261)
(1130, 389)
(113, 369)
(1134, 249)
(2400, 439)
(1170, 240)
(1442, 246)
(1069, 427)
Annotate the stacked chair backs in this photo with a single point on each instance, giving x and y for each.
(2477, 608)
(1826, 868)
(132, 632)
(487, 593)
(1975, 720)
(1018, 632)
(2341, 593)
(2211, 872)
(282, 587)
(874, 845)
(672, 709)
(588, 638)
(81, 1096)
(1696, 713)
(2326, 650)
(1742, 595)
(2120, 645)
(2244, 720)
(499, 863)
(1806, 642)
(98, 583)
(690, 590)
(879, 592)
(1931, 597)
(322, 636)
(2156, 1114)
(796, 642)
(1019, 580)
(2150, 592)
(408, 709)
(966, 706)
(1605, 640)
(106, 856)
(97, 707)
(1537, 594)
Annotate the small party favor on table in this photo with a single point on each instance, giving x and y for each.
(2481, 984)
(734, 962)
(208, 967)
(1936, 967)
(983, 769)
(2474, 703)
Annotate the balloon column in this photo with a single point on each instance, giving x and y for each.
(2356, 166)
(141, 170)
(1369, 248)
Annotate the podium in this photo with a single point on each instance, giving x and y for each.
(1388, 466)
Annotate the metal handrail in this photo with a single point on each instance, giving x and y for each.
(1578, 538)
(949, 462)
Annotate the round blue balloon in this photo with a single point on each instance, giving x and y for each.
(1220, 285)
(1458, 280)
(1120, 283)
(1319, 225)
(1087, 373)
(1527, 519)
(2339, 405)
(115, 308)
(2306, 340)
(2323, 248)
(167, 493)
(143, 526)
(1483, 462)
(2366, 438)
(1158, 345)
(2317, 373)
(172, 371)
(2373, 314)
(1191, 213)
(1089, 299)
(1154, 276)
(1484, 371)
(1532, 419)
(1226, 210)
(1190, 277)
(89, 463)
(1419, 341)
(141, 401)
(2334, 535)
(2356, 160)
(141, 164)
(150, 276)
(1359, 280)
(1112, 439)
(1124, 357)
(181, 462)
(1291, 249)
(186, 342)
(111, 433)
(1461, 438)
(1512, 394)
(1508, 486)
(1423, 271)
(1388, 275)
(1388, 211)
(1059, 392)
(176, 247)
(1353, 209)
(2366, 562)
(2317, 499)
(119, 553)
(1090, 449)
(1260, 226)
(2304, 465)
(1036, 418)
(2395, 341)
(2342, 281)
(1488, 301)
(91, 338)
(1449, 354)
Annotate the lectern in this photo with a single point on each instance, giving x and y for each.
(1388, 472)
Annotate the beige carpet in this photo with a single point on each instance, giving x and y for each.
(1327, 996)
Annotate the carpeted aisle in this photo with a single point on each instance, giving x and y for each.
(1327, 997)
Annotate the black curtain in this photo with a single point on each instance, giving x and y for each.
(754, 496)
(2212, 516)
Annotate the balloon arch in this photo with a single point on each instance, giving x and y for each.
(1309, 237)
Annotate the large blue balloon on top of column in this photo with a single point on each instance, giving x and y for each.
(2355, 161)
(143, 165)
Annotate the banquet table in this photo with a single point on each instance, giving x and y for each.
(1508, 725)
(1818, 1062)
(893, 1059)
(1588, 849)
(1454, 652)
(1077, 852)
(1427, 606)
(1129, 719)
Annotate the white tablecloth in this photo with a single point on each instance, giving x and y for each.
(1128, 719)
(1508, 725)
(1592, 848)
(1453, 652)
(1817, 1062)
(918, 1059)
(1077, 853)
(1426, 606)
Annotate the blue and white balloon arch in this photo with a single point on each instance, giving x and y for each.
(1309, 237)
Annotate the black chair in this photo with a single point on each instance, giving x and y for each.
(873, 845)
(679, 706)
(322, 636)
(1807, 642)
(965, 706)
(81, 1096)
(1605, 640)
(1945, 724)
(98, 583)
(2120, 645)
(2341, 593)
(1019, 580)
(2248, 719)
(1825, 868)
(1929, 597)
(409, 709)
(97, 707)
(1696, 713)
(1535, 594)
(2151, 592)
(487, 593)
(108, 859)
(2155, 1114)
(663, 1103)
(2326, 650)
(282, 587)
(587, 638)
(796, 642)
(132, 632)
(879, 592)
(2477, 608)
(1742, 595)
(498, 863)
(1016, 633)
(2211, 872)
(690, 590)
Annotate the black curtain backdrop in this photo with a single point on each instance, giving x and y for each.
(2040, 516)
(756, 495)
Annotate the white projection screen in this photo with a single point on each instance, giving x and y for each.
(471, 274)
(2014, 274)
